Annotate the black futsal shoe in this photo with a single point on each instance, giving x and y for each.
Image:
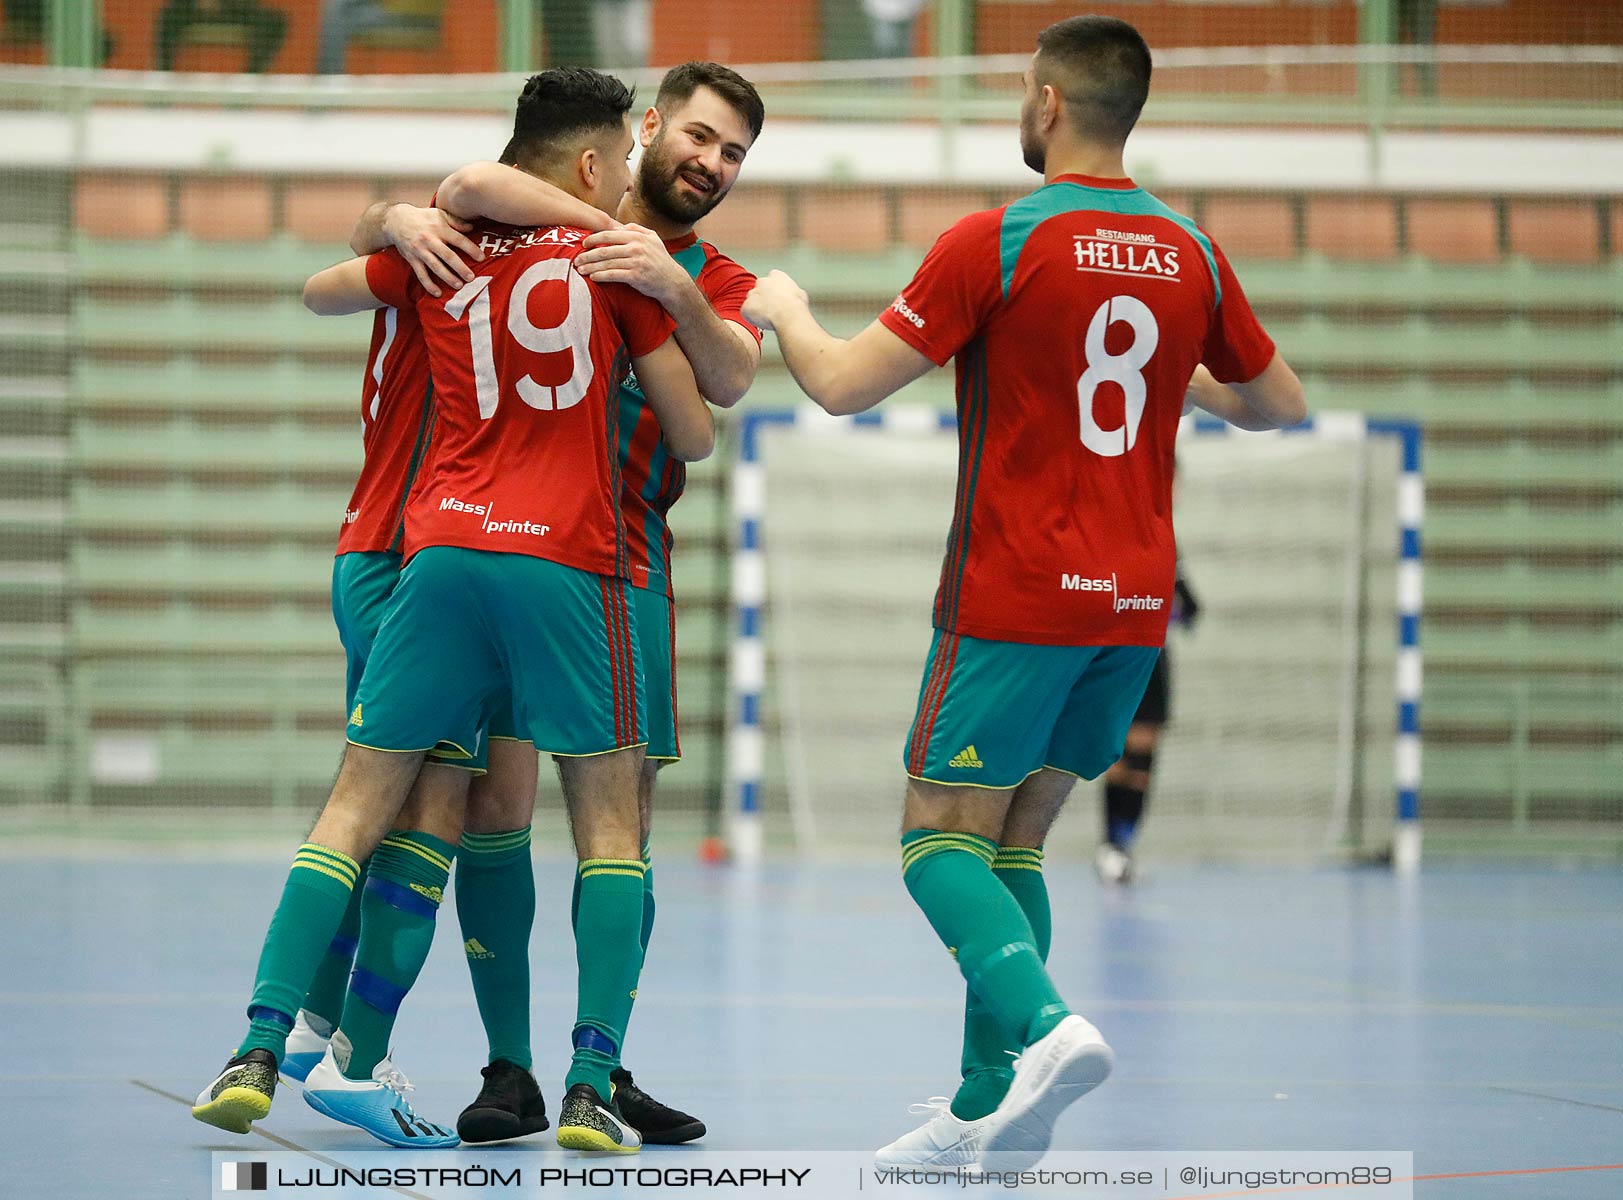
(508, 1106)
(659, 1124)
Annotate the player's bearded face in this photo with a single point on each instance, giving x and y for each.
(679, 188)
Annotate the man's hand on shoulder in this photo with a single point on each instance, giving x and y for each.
(637, 256)
(775, 295)
(434, 243)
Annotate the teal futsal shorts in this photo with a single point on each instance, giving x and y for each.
(656, 637)
(362, 582)
(992, 713)
(465, 628)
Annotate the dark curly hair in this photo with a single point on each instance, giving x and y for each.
(561, 108)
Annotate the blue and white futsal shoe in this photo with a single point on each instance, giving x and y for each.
(305, 1048)
(377, 1105)
(1049, 1076)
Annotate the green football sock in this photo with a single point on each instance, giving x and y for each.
(318, 889)
(647, 899)
(988, 1050)
(324, 1002)
(495, 903)
(608, 953)
(405, 883)
(950, 877)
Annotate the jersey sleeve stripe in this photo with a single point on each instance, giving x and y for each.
(425, 436)
(965, 427)
(974, 443)
(622, 365)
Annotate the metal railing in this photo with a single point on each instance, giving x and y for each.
(1342, 86)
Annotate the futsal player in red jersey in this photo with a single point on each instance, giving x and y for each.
(695, 136)
(516, 584)
(397, 423)
(1083, 317)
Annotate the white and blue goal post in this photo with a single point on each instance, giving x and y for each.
(747, 664)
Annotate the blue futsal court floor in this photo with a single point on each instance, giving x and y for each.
(1473, 1016)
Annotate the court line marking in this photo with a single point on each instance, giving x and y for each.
(1558, 1099)
(1520, 1171)
(277, 1140)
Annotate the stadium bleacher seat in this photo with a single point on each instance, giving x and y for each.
(231, 209)
(127, 207)
(924, 217)
(1251, 226)
(1361, 228)
(845, 220)
(1555, 231)
(1453, 230)
(324, 211)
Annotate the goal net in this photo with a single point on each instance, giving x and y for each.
(1293, 734)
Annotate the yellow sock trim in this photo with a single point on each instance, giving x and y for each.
(1018, 858)
(334, 858)
(346, 880)
(435, 858)
(936, 843)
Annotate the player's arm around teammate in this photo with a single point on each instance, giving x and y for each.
(433, 240)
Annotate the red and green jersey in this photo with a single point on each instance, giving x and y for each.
(1077, 315)
(651, 480)
(397, 419)
(527, 361)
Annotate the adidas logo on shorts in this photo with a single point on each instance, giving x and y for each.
(966, 758)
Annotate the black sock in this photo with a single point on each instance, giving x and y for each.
(1124, 806)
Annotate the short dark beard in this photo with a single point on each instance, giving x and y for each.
(656, 187)
(1033, 151)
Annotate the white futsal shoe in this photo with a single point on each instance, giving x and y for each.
(1113, 864)
(942, 1141)
(378, 1105)
(1054, 1072)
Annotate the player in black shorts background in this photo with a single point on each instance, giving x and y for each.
(1127, 783)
